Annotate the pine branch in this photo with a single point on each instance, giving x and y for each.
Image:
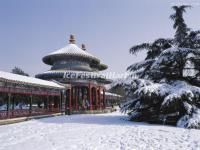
(137, 48)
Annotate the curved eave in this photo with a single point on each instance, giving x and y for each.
(105, 81)
(103, 67)
(49, 59)
(53, 75)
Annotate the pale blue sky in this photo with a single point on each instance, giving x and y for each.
(30, 29)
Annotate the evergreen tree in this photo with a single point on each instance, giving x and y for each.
(19, 71)
(154, 49)
(179, 24)
(167, 89)
(118, 89)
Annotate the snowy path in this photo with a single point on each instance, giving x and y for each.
(90, 132)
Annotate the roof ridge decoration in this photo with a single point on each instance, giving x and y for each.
(72, 39)
(83, 47)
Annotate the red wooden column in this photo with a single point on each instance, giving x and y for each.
(100, 97)
(82, 95)
(90, 96)
(8, 108)
(50, 103)
(82, 92)
(70, 99)
(12, 109)
(60, 102)
(104, 102)
(31, 103)
(47, 104)
(76, 98)
(97, 97)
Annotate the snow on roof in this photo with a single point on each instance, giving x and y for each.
(73, 49)
(76, 74)
(96, 74)
(28, 80)
(111, 94)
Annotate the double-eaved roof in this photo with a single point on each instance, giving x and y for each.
(14, 78)
(71, 50)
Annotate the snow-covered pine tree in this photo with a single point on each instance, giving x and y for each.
(167, 89)
(19, 71)
(179, 24)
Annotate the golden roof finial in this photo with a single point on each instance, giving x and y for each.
(72, 39)
(83, 47)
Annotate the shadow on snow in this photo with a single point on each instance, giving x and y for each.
(102, 119)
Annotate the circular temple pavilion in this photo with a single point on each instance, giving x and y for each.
(77, 70)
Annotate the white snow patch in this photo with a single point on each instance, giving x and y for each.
(28, 80)
(190, 121)
(99, 132)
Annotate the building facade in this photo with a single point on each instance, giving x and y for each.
(79, 72)
(73, 84)
(22, 96)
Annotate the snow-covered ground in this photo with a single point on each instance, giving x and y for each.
(90, 132)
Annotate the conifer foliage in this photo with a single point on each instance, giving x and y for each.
(167, 89)
(19, 71)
